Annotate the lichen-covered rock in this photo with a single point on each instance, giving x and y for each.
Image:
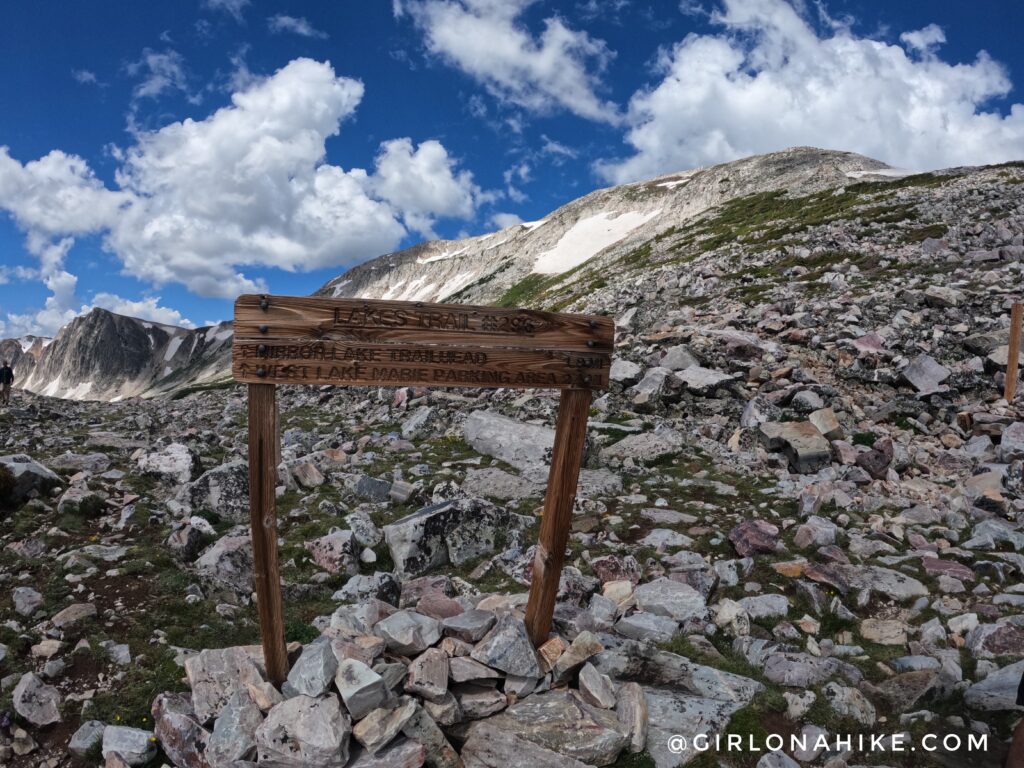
(36, 701)
(304, 732)
(452, 532)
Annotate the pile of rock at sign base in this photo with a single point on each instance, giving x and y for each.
(447, 681)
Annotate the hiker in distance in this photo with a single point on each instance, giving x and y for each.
(6, 380)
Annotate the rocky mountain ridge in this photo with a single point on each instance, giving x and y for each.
(104, 356)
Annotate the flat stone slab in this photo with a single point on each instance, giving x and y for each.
(673, 599)
(561, 722)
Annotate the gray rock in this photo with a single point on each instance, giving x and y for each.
(1011, 444)
(673, 599)
(524, 446)
(29, 476)
(176, 463)
(998, 691)
(641, 625)
(182, 738)
(452, 532)
(314, 671)
(304, 732)
(492, 747)
(403, 753)
(361, 688)
(85, 739)
(26, 600)
(624, 372)
(925, 374)
(651, 386)
(562, 722)
(215, 675)
(496, 483)
(778, 760)
(133, 745)
(804, 446)
(228, 563)
(849, 702)
(223, 489)
(73, 615)
(703, 381)
(507, 647)
(428, 675)
(679, 358)
(407, 632)
(645, 447)
(478, 701)
(595, 688)
(234, 733)
(36, 701)
(671, 712)
(632, 660)
(631, 709)
(440, 753)
(469, 626)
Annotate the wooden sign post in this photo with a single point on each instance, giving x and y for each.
(311, 340)
(1013, 353)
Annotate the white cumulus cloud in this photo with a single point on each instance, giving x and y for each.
(769, 80)
(559, 69)
(421, 183)
(502, 220)
(198, 201)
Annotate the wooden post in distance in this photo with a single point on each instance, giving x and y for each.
(1013, 353)
(264, 447)
(567, 455)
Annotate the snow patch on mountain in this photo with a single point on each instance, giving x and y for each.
(587, 238)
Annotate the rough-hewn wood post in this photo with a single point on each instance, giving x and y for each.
(264, 449)
(570, 436)
(1013, 354)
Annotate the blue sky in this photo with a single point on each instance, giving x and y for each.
(158, 158)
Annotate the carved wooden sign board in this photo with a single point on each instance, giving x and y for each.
(361, 342)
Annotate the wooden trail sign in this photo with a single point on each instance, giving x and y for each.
(1013, 352)
(312, 340)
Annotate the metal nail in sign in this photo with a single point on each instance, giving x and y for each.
(313, 340)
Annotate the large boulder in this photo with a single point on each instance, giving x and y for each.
(36, 701)
(234, 734)
(25, 476)
(452, 532)
(304, 732)
(176, 462)
(181, 736)
(133, 745)
(228, 562)
(223, 490)
(560, 721)
(804, 446)
(215, 675)
(524, 446)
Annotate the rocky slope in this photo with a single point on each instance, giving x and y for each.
(800, 514)
(609, 221)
